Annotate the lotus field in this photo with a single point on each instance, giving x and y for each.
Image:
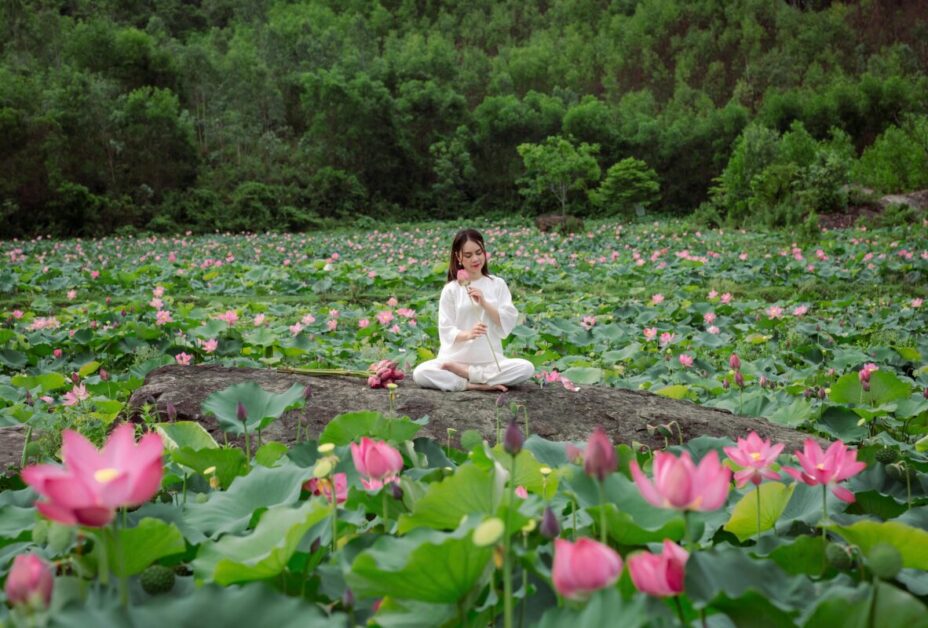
(156, 522)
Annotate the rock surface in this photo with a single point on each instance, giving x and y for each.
(554, 413)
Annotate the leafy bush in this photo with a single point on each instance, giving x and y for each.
(628, 183)
(898, 160)
(558, 169)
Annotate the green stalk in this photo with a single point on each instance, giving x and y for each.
(334, 516)
(22, 461)
(679, 606)
(247, 448)
(602, 511)
(121, 557)
(824, 511)
(688, 533)
(757, 490)
(385, 519)
(507, 546)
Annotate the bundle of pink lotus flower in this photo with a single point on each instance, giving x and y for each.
(383, 373)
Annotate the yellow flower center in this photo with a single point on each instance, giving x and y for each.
(755, 456)
(820, 466)
(104, 476)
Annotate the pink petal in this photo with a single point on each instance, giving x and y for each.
(645, 487)
(57, 513)
(79, 454)
(843, 494)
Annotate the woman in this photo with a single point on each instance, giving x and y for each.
(475, 313)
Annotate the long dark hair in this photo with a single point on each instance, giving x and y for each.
(463, 237)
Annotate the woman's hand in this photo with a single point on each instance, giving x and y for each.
(476, 296)
(480, 329)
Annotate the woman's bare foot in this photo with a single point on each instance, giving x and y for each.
(461, 370)
(498, 387)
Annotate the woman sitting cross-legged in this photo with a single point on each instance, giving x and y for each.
(475, 313)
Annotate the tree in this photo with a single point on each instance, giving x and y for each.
(557, 167)
(628, 183)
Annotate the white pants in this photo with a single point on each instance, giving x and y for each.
(511, 371)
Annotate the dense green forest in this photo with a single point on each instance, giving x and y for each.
(251, 114)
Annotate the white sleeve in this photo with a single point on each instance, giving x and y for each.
(447, 316)
(508, 315)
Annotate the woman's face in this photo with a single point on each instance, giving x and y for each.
(471, 257)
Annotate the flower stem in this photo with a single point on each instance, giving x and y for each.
(824, 511)
(383, 492)
(334, 516)
(679, 606)
(688, 533)
(507, 546)
(22, 461)
(602, 511)
(757, 490)
(247, 450)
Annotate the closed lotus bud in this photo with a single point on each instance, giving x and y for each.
(171, 412)
(348, 599)
(821, 393)
(513, 440)
(396, 490)
(308, 392)
(599, 457)
(725, 384)
(104, 375)
(807, 393)
(763, 381)
(30, 582)
(739, 379)
(734, 362)
(550, 528)
(865, 385)
(76, 378)
(925, 393)
(240, 412)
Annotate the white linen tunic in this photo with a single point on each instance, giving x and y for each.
(457, 312)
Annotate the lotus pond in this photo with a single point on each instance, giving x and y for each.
(155, 522)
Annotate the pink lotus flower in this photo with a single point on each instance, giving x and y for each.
(377, 462)
(76, 395)
(93, 484)
(774, 311)
(660, 575)
(800, 310)
(229, 316)
(650, 333)
(712, 294)
(712, 329)
(583, 567)
(57, 353)
(406, 312)
(17, 314)
(308, 319)
(259, 320)
(323, 487)
(363, 323)
(210, 345)
(72, 294)
(587, 322)
(657, 299)
(864, 374)
(385, 317)
(726, 298)
(756, 457)
(334, 313)
(392, 302)
(30, 582)
(708, 318)
(680, 484)
(156, 303)
(599, 459)
(163, 317)
(916, 303)
(463, 276)
(685, 360)
(158, 292)
(666, 339)
(331, 324)
(828, 468)
(521, 493)
(183, 358)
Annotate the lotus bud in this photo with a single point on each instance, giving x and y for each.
(807, 393)
(240, 412)
(104, 375)
(725, 384)
(925, 393)
(763, 381)
(739, 379)
(307, 393)
(599, 457)
(348, 599)
(171, 412)
(76, 377)
(513, 440)
(734, 362)
(821, 393)
(30, 582)
(550, 528)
